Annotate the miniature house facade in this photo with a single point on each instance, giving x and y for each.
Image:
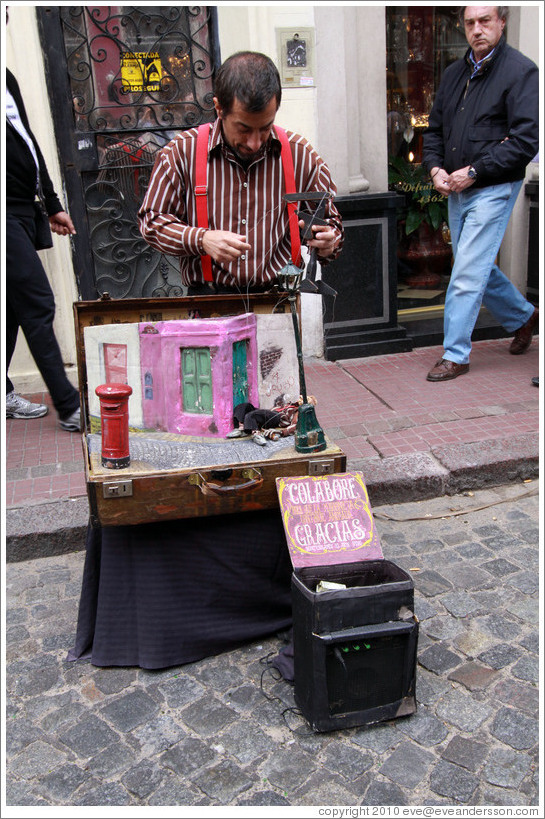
(188, 375)
(194, 372)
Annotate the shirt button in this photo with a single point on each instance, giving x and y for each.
(454, 149)
(243, 257)
(244, 221)
(244, 184)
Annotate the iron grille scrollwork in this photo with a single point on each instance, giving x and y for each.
(109, 48)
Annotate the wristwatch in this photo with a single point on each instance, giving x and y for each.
(472, 173)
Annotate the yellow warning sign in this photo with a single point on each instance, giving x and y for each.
(140, 71)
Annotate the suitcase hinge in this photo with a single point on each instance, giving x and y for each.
(117, 489)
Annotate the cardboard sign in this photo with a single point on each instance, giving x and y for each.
(327, 519)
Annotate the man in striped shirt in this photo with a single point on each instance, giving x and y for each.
(248, 236)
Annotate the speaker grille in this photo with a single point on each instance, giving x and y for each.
(365, 673)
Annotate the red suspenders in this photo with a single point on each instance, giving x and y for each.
(201, 192)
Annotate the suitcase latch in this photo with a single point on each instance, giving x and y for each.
(117, 489)
(324, 466)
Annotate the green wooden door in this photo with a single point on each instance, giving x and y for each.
(197, 380)
(240, 372)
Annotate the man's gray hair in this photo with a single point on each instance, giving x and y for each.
(503, 13)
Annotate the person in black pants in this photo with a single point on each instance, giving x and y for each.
(30, 303)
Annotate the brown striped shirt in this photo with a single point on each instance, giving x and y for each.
(245, 201)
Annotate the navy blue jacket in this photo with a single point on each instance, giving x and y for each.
(490, 121)
(20, 165)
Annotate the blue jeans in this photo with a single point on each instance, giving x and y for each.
(477, 220)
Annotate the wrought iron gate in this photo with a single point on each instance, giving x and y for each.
(122, 81)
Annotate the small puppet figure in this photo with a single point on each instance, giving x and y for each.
(261, 424)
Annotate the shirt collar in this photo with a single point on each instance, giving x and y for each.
(218, 143)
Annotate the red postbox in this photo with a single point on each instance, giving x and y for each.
(114, 421)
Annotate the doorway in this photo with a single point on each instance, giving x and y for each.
(123, 81)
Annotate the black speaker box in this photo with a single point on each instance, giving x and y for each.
(354, 648)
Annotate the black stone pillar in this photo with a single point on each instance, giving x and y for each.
(362, 319)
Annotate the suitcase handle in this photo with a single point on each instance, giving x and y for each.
(253, 479)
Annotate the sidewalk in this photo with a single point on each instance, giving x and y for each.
(411, 438)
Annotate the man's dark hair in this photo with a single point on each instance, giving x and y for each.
(503, 13)
(250, 77)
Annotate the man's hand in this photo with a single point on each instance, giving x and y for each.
(325, 239)
(459, 180)
(61, 224)
(224, 246)
(440, 180)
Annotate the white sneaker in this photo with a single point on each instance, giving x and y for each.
(258, 438)
(237, 433)
(19, 407)
(72, 423)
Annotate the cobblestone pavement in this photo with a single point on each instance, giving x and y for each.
(223, 732)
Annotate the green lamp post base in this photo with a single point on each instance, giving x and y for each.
(309, 436)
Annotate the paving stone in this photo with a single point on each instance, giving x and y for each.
(130, 710)
(111, 760)
(181, 691)
(143, 779)
(465, 752)
(527, 668)
(244, 697)
(531, 642)
(36, 760)
(526, 582)
(499, 626)
(461, 709)
(460, 604)
(207, 716)
(20, 733)
(187, 756)
(263, 799)
(443, 627)
(429, 687)
(500, 567)
(515, 729)
(347, 761)
(323, 788)
(172, 792)
(378, 738)
(407, 766)
(500, 797)
(518, 695)
(88, 736)
(474, 551)
(500, 655)
(284, 769)
(245, 741)
(61, 783)
(384, 793)
(423, 608)
(158, 734)
(424, 728)
(223, 781)
(473, 675)
(453, 782)
(107, 793)
(467, 576)
(430, 583)
(506, 768)
(113, 680)
(438, 658)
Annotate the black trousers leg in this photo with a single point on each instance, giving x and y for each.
(30, 305)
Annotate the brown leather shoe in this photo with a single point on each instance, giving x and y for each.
(445, 370)
(523, 337)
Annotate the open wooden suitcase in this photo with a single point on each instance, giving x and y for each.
(189, 360)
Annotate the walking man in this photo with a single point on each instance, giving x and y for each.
(483, 131)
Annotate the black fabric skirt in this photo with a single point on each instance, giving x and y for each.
(163, 594)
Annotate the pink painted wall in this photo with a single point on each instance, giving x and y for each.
(160, 354)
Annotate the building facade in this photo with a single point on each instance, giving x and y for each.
(337, 91)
